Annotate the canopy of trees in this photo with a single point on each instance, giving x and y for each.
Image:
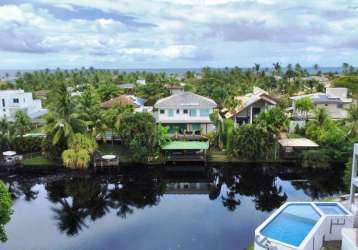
(5, 210)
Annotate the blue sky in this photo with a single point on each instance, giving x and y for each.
(41, 34)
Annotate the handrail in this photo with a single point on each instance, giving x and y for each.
(264, 243)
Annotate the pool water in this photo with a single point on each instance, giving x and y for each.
(331, 208)
(300, 217)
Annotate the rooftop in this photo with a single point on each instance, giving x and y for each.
(186, 145)
(251, 98)
(185, 100)
(297, 142)
(124, 100)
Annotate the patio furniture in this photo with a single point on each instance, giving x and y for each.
(109, 157)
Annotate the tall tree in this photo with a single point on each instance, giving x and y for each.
(23, 123)
(89, 111)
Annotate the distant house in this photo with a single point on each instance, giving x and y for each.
(128, 86)
(12, 101)
(141, 81)
(42, 94)
(335, 101)
(185, 112)
(250, 106)
(175, 88)
(125, 100)
(321, 79)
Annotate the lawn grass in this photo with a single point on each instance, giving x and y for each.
(37, 161)
(217, 156)
(330, 198)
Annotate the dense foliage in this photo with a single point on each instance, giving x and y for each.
(141, 135)
(80, 149)
(5, 210)
(71, 114)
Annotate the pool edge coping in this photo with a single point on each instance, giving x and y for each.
(313, 230)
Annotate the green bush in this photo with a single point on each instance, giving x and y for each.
(27, 144)
(5, 210)
(316, 158)
(251, 142)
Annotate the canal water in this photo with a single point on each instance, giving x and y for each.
(179, 207)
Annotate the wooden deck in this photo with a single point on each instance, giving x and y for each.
(186, 158)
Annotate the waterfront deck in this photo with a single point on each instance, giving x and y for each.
(186, 151)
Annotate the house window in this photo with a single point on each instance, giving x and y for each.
(16, 100)
(204, 112)
(340, 105)
(192, 112)
(326, 105)
(185, 111)
(178, 111)
(170, 113)
(162, 111)
(3, 102)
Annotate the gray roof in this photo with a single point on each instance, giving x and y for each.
(185, 100)
(323, 98)
(126, 86)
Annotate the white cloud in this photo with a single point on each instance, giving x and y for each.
(179, 32)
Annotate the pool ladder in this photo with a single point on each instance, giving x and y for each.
(264, 243)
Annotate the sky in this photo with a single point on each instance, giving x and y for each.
(42, 34)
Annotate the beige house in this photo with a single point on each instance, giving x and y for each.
(335, 101)
(250, 106)
(185, 112)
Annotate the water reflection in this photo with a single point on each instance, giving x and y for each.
(79, 199)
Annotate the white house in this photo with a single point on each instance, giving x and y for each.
(141, 82)
(335, 101)
(250, 106)
(12, 101)
(185, 112)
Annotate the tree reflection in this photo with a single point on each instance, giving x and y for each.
(70, 218)
(252, 182)
(318, 185)
(82, 198)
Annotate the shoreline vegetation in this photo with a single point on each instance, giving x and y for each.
(76, 118)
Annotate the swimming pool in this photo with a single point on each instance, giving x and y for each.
(331, 208)
(300, 217)
(303, 225)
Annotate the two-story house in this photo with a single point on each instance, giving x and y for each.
(185, 112)
(335, 101)
(12, 101)
(249, 106)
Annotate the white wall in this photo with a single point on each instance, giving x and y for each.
(334, 111)
(25, 103)
(182, 117)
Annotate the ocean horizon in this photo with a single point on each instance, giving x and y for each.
(12, 72)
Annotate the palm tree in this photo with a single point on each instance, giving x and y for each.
(321, 116)
(89, 111)
(352, 119)
(81, 147)
(62, 120)
(257, 68)
(277, 68)
(22, 123)
(232, 104)
(5, 134)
